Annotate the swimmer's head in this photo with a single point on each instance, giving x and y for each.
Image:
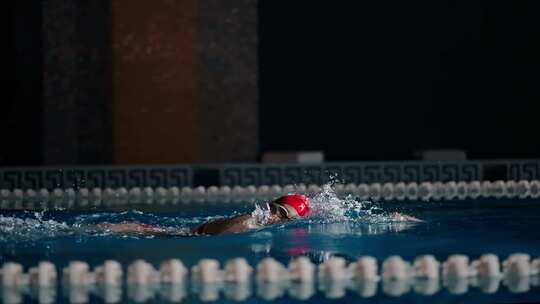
(296, 205)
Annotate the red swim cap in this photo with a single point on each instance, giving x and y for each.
(299, 202)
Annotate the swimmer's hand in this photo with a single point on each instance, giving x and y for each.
(404, 218)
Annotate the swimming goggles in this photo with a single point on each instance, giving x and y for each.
(283, 212)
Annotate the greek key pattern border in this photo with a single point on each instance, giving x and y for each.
(371, 172)
(267, 174)
(89, 177)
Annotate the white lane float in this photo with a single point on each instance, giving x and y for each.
(365, 268)
(301, 269)
(426, 267)
(77, 273)
(172, 271)
(207, 271)
(395, 268)
(517, 265)
(334, 269)
(109, 273)
(270, 270)
(12, 275)
(237, 270)
(141, 272)
(456, 266)
(487, 266)
(43, 275)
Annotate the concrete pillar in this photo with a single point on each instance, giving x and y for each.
(154, 81)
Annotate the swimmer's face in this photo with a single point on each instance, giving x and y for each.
(283, 211)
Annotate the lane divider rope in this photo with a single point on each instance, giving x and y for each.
(333, 277)
(425, 191)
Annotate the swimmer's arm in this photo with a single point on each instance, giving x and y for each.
(236, 224)
(132, 228)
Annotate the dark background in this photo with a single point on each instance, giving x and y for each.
(369, 81)
(22, 107)
(382, 79)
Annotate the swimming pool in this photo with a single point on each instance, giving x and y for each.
(338, 227)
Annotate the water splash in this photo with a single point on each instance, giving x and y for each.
(14, 228)
(261, 214)
(327, 207)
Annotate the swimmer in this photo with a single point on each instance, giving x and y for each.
(286, 208)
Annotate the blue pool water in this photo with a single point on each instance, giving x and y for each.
(345, 228)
